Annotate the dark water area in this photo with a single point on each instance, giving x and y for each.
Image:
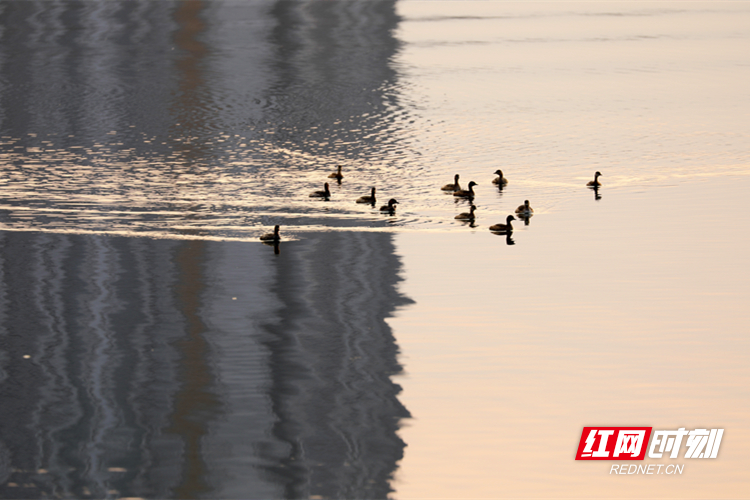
(141, 355)
(182, 369)
(201, 118)
(151, 346)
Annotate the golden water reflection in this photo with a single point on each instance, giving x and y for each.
(630, 311)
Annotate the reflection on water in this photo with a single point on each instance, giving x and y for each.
(173, 365)
(155, 368)
(212, 119)
(606, 320)
(195, 118)
(171, 368)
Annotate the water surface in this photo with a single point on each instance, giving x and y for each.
(151, 346)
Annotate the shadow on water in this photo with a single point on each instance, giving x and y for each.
(158, 368)
(276, 246)
(195, 404)
(169, 368)
(211, 116)
(333, 358)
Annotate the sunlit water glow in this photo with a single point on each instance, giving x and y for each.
(158, 367)
(548, 95)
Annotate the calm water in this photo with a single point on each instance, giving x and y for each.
(151, 347)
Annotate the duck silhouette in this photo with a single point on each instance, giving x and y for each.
(503, 228)
(390, 207)
(499, 180)
(452, 187)
(325, 193)
(337, 174)
(595, 182)
(274, 236)
(463, 193)
(525, 209)
(367, 199)
(468, 216)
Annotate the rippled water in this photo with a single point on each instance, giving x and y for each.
(213, 119)
(160, 119)
(160, 367)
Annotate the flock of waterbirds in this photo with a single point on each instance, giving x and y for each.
(523, 211)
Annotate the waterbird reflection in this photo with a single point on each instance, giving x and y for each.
(276, 246)
(508, 236)
(597, 196)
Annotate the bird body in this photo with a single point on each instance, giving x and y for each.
(452, 187)
(337, 174)
(595, 182)
(390, 207)
(367, 199)
(326, 193)
(503, 228)
(499, 180)
(463, 193)
(525, 209)
(467, 215)
(274, 236)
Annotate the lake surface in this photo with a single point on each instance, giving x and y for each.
(151, 347)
